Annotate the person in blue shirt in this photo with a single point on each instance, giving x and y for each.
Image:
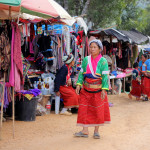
(146, 81)
(141, 67)
(147, 65)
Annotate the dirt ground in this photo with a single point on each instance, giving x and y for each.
(129, 130)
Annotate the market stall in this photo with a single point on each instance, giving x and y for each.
(122, 47)
(25, 20)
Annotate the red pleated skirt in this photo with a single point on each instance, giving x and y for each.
(136, 89)
(146, 86)
(69, 96)
(92, 110)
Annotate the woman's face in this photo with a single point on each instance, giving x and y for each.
(94, 49)
(72, 63)
(143, 59)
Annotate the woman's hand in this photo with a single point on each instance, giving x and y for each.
(78, 89)
(69, 82)
(58, 93)
(103, 94)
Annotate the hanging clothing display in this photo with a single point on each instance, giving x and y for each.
(4, 49)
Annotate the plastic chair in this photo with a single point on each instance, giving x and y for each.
(57, 103)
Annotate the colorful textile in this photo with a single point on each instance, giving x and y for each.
(94, 64)
(146, 86)
(92, 84)
(136, 89)
(4, 51)
(92, 110)
(26, 66)
(11, 76)
(17, 53)
(17, 78)
(101, 71)
(6, 102)
(34, 92)
(29, 96)
(70, 98)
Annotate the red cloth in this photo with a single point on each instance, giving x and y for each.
(69, 73)
(92, 81)
(79, 38)
(136, 89)
(92, 110)
(17, 52)
(146, 86)
(70, 98)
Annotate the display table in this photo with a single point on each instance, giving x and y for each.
(122, 75)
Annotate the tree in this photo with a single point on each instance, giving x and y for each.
(146, 30)
(133, 16)
(125, 14)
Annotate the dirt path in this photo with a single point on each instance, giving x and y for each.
(129, 130)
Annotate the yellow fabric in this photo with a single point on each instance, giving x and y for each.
(29, 96)
(93, 86)
(105, 89)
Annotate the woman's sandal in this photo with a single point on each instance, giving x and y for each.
(96, 136)
(80, 134)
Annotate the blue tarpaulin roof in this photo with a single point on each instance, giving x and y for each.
(58, 28)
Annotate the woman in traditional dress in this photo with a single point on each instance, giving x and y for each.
(93, 103)
(63, 85)
(146, 80)
(136, 85)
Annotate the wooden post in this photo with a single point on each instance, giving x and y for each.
(124, 85)
(13, 112)
(112, 86)
(9, 12)
(111, 40)
(2, 105)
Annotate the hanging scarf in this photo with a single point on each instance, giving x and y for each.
(17, 52)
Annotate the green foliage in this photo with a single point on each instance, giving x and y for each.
(125, 14)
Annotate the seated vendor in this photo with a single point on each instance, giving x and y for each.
(136, 85)
(63, 85)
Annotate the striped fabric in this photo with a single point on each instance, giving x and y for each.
(92, 110)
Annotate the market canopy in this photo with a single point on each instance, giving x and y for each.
(41, 8)
(111, 32)
(133, 36)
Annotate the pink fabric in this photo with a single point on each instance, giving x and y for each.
(121, 75)
(11, 76)
(128, 70)
(94, 64)
(31, 48)
(17, 79)
(17, 53)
